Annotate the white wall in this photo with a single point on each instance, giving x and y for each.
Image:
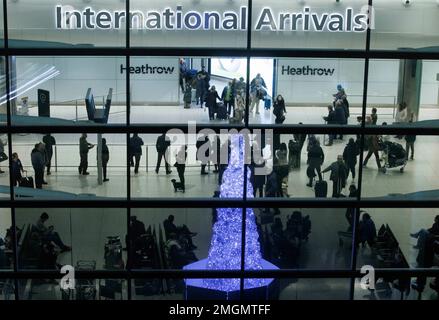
(77, 74)
(382, 86)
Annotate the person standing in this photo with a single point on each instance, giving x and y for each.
(339, 175)
(3, 156)
(136, 144)
(316, 158)
(105, 158)
(228, 97)
(180, 164)
(203, 79)
(257, 165)
(17, 170)
(84, 147)
(350, 154)
(162, 147)
(257, 92)
(203, 142)
(374, 116)
(39, 164)
(340, 115)
(279, 109)
(282, 170)
(330, 120)
(49, 141)
(211, 98)
(410, 145)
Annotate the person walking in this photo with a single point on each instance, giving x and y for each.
(339, 174)
(373, 143)
(350, 154)
(49, 141)
(228, 97)
(330, 119)
(316, 157)
(105, 158)
(162, 146)
(136, 144)
(282, 170)
(211, 105)
(38, 164)
(84, 147)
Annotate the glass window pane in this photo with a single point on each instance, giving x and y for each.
(68, 91)
(3, 100)
(412, 244)
(6, 241)
(75, 170)
(76, 24)
(404, 92)
(218, 24)
(401, 26)
(309, 24)
(181, 90)
(308, 87)
(57, 237)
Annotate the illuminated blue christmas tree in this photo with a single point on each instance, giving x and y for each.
(225, 247)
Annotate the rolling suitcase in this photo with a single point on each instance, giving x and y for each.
(267, 103)
(27, 182)
(321, 189)
(221, 112)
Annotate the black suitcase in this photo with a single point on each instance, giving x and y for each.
(321, 189)
(221, 112)
(27, 182)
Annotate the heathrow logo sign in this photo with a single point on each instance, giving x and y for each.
(68, 17)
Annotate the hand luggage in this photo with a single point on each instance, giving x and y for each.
(26, 182)
(267, 103)
(321, 189)
(221, 113)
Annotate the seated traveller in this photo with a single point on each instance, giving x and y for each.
(422, 234)
(176, 252)
(48, 233)
(171, 228)
(367, 231)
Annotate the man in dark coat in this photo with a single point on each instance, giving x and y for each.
(136, 144)
(38, 163)
(330, 119)
(84, 147)
(204, 142)
(162, 145)
(203, 79)
(49, 141)
(350, 154)
(339, 174)
(211, 98)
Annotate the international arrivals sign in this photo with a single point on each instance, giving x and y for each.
(179, 19)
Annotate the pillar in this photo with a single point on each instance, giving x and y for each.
(409, 85)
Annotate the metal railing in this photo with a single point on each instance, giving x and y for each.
(64, 156)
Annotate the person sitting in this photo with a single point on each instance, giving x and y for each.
(171, 228)
(48, 234)
(422, 234)
(176, 252)
(367, 231)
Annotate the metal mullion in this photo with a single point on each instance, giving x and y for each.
(356, 217)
